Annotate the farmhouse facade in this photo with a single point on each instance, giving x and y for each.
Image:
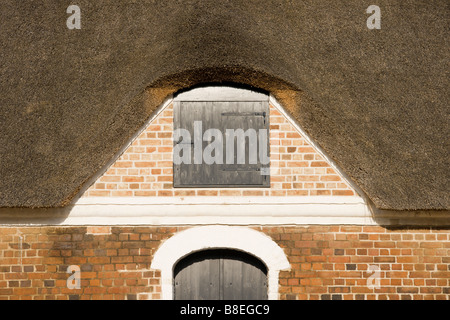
(133, 234)
(153, 150)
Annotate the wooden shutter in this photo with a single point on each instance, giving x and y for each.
(222, 115)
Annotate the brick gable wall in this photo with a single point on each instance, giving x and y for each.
(146, 169)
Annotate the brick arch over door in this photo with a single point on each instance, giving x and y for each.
(224, 237)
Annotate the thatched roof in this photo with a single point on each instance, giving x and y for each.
(375, 100)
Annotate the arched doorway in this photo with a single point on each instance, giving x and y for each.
(220, 274)
(241, 239)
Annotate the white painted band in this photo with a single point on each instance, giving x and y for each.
(219, 210)
(198, 211)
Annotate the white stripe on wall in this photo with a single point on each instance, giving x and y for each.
(218, 210)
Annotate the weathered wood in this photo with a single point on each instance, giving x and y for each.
(222, 116)
(220, 275)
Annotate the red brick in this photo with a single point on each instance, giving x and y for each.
(132, 179)
(121, 193)
(98, 230)
(145, 164)
(330, 178)
(319, 163)
(123, 164)
(98, 193)
(431, 245)
(385, 244)
(384, 259)
(342, 192)
(144, 193)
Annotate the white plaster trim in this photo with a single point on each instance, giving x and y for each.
(221, 93)
(215, 237)
(220, 200)
(199, 211)
(219, 213)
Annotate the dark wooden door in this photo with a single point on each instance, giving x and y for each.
(220, 275)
